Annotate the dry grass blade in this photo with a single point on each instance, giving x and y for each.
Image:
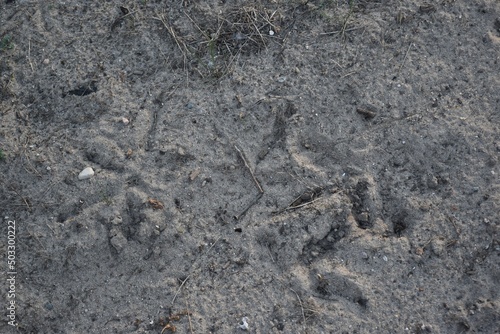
(180, 288)
(178, 40)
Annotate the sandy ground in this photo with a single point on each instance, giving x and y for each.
(310, 166)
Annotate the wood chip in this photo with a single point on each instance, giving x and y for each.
(366, 112)
(155, 204)
(194, 174)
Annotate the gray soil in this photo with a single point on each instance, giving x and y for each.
(313, 166)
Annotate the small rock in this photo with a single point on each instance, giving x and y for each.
(194, 174)
(125, 120)
(87, 173)
(244, 324)
(438, 246)
(432, 182)
(117, 220)
(118, 241)
(364, 217)
(46, 61)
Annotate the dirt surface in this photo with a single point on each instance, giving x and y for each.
(312, 167)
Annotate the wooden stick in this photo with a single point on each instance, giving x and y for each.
(29, 55)
(189, 316)
(404, 59)
(339, 31)
(179, 290)
(301, 306)
(302, 205)
(242, 213)
(22, 197)
(249, 169)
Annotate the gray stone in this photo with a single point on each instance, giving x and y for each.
(87, 173)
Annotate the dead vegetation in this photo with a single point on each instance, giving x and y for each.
(220, 38)
(211, 40)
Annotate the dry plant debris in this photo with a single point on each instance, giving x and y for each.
(155, 204)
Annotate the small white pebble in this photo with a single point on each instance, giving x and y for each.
(125, 120)
(271, 33)
(87, 173)
(244, 324)
(385, 258)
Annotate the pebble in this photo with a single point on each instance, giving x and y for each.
(364, 217)
(194, 174)
(87, 173)
(244, 324)
(117, 239)
(125, 120)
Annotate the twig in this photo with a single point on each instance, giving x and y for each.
(242, 213)
(189, 317)
(129, 13)
(207, 36)
(35, 171)
(339, 31)
(179, 290)
(344, 27)
(192, 266)
(22, 197)
(176, 38)
(270, 254)
(289, 208)
(29, 55)
(301, 306)
(301, 205)
(249, 169)
(48, 188)
(50, 228)
(457, 230)
(404, 59)
(348, 74)
(212, 245)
